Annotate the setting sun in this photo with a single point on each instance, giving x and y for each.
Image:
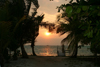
(47, 33)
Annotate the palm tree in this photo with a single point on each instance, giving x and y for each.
(71, 25)
(32, 25)
(15, 18)
(24, 26)
(33, 30)
(74, 35)
(78, 26)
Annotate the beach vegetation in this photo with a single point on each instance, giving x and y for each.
(15, 26)
(81, 24)
(11, 21)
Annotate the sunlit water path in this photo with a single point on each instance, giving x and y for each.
(52, 50)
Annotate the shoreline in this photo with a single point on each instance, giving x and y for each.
(80, 56)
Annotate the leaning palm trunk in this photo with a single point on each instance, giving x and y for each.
(28, 7)
(24, 54)
(72, 43)
(32, 46)
(75, 51)
(73, 46)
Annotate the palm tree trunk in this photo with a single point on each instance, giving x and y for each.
(28, 6)
(24, 54)
(32, 46)
(75, 51)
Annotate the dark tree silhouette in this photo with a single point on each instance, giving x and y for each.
(79, 16)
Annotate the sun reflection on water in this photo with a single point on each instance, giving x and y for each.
(46, 51)
(47, 54)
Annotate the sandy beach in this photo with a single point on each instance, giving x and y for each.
(36, 61)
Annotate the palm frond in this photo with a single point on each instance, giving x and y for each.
(68, 39)
(71, 44)
(49, 26)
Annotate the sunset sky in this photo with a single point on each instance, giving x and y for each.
(48, 8)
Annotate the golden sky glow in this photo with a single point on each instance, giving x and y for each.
(52, 39)
(48, 8)
(47, 33)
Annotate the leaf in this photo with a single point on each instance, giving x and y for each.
(78, 10)
(84, 8)
(58, 9)
(89, 34)
(69, 10)
(92, 7)
(99, 14)
(74, 17)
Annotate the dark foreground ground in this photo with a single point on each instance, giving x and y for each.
(40, 61)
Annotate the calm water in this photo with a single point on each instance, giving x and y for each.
(52, 50)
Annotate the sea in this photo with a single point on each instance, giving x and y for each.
(52, 50)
